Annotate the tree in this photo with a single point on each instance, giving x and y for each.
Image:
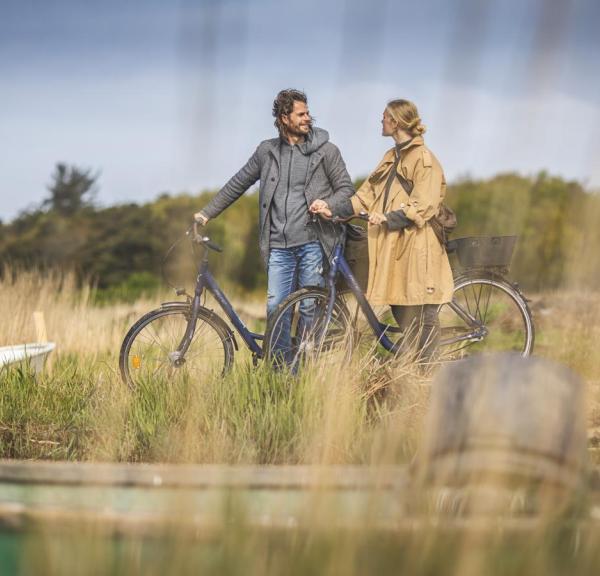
(71, 190)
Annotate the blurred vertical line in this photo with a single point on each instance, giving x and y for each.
(340, 79)
(587, 18)
(564, 30)
(199, 29)
(545, 63)
(463, 67)
(553, 21)
(544, 66)
(359, 67)
(214, 42)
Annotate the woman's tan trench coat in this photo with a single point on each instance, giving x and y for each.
(407, 267)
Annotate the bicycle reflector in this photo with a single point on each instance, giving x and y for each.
(136, 361)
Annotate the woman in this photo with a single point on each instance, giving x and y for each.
(408, 267)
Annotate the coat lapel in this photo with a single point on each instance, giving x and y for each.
(396, 187)
(379, 177)
(386, 164)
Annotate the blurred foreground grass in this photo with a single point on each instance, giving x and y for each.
(431, 549)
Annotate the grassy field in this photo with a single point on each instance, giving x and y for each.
(80, 409)
(367, 412)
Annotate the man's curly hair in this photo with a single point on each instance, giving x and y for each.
(284, 104)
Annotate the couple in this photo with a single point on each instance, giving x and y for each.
(301, 171)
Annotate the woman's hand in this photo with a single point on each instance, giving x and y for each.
(320, 207)
(376, 218)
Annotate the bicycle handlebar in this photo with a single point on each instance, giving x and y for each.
(360, 216)
(338, 220)
(198, 238)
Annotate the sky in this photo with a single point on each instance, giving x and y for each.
(174, 96)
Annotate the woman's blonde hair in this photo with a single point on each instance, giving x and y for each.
(406, 115)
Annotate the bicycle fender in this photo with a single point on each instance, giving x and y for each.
(174, 304)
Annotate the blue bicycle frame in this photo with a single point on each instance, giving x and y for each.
(206, 281)
(339, 264)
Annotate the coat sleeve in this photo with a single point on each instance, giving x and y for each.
(341, 184)
(364, 197)
(425, 198)
(237, 185)
(397, 220)
(361, 201)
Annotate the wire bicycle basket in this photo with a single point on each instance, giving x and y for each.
(484, 251)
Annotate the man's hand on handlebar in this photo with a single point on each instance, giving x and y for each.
(200, 218)
(320, 207)
(200, 239)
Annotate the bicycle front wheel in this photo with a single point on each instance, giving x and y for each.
(147, 351)
(299, 333)
(485, 315)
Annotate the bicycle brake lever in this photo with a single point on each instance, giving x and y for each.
(196, 236)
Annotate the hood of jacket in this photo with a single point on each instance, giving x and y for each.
(315, 139)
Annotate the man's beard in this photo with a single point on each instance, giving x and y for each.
(293, 131)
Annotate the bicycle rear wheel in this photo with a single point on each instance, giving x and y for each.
(298, 333)
(485, 315)
(146, 349)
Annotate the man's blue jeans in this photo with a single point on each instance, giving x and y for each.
(290, 269)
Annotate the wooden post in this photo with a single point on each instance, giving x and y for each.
(504, 434)
(39, 321)
(41, 334)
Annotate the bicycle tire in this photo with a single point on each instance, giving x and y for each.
(307, 343)
(501, 310)
(210, 353)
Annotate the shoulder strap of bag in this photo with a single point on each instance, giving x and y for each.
(407, 185)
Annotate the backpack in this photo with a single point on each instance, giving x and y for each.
(444, 223)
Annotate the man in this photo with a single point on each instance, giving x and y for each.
(298, 167)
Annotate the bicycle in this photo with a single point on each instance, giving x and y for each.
(488, 311)
(184, 339)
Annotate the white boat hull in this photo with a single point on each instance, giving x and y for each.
(35, 354)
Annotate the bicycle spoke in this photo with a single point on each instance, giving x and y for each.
(154, 338)
(487, 303)
(477, 298)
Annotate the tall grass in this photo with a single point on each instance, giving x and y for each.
(253, 415)
(80, 409)
(368, 411)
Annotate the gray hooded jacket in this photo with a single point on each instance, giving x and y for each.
(321, 173)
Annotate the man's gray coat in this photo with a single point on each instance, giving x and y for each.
(326, 178)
